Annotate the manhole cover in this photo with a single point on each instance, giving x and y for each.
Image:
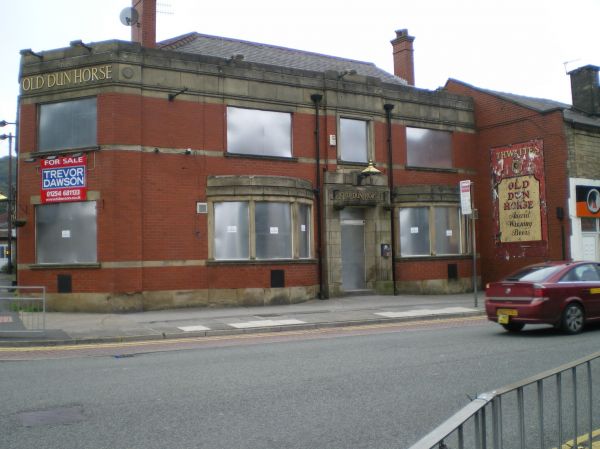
(49, 417)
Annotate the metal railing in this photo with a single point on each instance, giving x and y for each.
(540, 411)
(22, 309)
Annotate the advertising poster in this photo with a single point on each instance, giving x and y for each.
(518, 188)
(588, 201)
(63, 179)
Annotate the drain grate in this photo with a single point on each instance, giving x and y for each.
(54, 416)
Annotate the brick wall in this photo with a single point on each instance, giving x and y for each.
(500, 122)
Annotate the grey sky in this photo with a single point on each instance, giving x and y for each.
(517, 46)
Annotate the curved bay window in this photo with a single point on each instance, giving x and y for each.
(256, 226)
(436, 230)
(261, 230)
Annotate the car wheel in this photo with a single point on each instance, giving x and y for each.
(573, 319)
(513, 327)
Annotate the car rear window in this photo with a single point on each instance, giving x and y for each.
(534, 274)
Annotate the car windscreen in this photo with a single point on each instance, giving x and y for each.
(534, 274)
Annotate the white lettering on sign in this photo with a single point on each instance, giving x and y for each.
(63, 177)
(66, 234)
(232, 229)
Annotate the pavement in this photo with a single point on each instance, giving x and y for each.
(79, 328)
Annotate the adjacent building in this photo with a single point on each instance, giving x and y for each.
(538, 177)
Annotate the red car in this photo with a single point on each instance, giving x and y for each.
(563, 294)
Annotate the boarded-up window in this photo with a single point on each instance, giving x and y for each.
(66, 233)
(428, 148)
(353, 140)
(259, 133)
(231, 231)
(68, 124)
(273, 223)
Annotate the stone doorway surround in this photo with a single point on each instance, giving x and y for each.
(348, 190)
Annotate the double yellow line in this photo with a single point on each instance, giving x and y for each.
(581, 440)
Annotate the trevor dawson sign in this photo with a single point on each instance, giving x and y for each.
(63, 179)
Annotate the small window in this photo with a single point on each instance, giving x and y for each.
(66, 233)
(69, 124)
(273, 230)
(260, 133)
(353, 140)
(428, 148)
(231, 231)
(589, 224)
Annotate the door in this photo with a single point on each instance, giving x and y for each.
(352, 222)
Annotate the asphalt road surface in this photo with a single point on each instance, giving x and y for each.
(366, 387)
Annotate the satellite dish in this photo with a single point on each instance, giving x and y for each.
(129, 16)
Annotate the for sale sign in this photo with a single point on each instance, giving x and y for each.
(63, 179)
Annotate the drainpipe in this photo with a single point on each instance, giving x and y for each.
(388, 111)
(316, 98)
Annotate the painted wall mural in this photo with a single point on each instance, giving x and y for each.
(518, 191)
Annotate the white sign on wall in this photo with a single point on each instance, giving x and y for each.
(465, 197)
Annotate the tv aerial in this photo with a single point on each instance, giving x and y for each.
(129, 16)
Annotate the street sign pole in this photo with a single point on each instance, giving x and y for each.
(474, 257)
(466, 204)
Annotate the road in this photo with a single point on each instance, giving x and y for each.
(364, 387)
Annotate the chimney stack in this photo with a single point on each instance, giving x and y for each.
(404, 66)
(585, 89)
(144, 31)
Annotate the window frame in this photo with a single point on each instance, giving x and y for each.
(42, 147)
(463, 227)
(418, 164)
(230, 141)
(368, 145)
(42, 259)
(294, 238)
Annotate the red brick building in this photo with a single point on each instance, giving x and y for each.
(206, 171)
(211, 171)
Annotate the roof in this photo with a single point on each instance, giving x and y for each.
(222, 47)
(542, 106)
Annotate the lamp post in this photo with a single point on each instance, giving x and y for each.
(10, 138)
